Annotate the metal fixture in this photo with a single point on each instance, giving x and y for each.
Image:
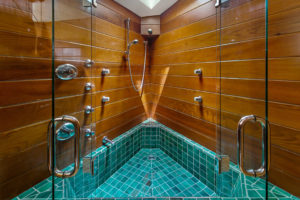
(105, 140)
(261, 171)
(88, 164)
(88, 86)
(65, 131)
(150, 31)
(199, 99)
(151, 157)
(51, 142)
(105, 99)
(66, 72)
(89, 63)
(198, 71)
(105, 71)
(88, 132)
(89, 109)
(218, 3)
(88, 3)
(135, 41)
(224, 163)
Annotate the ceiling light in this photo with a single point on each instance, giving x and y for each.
(150, 3)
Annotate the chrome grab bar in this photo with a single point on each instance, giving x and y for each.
(57, 172)
(261, 171)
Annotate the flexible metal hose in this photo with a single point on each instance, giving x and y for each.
(129, 66)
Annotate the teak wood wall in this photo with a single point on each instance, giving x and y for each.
(190, 39)
(25, 82)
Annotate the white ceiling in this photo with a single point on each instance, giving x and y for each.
(142, 10)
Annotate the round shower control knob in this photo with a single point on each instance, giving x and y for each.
(88, 132)
(89, 109)
(198, 99)
(88, 86)
(89, 63)
(198, 71)
(105, 71)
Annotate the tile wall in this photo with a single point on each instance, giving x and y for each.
(196, 159)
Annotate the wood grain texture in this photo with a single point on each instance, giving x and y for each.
(25, 82)
(228, 44)
(229, 51)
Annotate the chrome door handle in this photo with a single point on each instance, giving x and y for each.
(261, 171)
(217, 3)
(76, 124)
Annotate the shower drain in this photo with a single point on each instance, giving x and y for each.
(151, 157)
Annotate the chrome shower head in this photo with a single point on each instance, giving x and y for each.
(135, 41)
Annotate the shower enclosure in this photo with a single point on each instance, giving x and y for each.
(243, 133)
(86, 60)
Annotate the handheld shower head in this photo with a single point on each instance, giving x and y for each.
(135, 41)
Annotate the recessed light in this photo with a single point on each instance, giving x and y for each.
(150, 3)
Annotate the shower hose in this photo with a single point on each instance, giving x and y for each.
(144, 69)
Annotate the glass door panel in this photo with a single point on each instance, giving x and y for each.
(242, 120)
(73, 105)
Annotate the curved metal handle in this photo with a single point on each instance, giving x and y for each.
(57, 172)
(105, 140)
(217, 3)
(261, 171)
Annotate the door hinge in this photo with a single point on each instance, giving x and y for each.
(224, 163)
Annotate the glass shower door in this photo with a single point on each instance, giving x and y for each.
(73, 105)
(243, 127)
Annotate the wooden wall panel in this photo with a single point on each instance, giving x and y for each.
(190, 40)
(25, 82)
(234, 87)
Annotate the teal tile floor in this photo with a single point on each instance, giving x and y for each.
(43, 190)
(152, 173)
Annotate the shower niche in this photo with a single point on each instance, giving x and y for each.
(150, 26)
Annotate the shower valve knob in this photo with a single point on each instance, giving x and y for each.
(89, 63)
(105, 99)
(89, 109)
(88, 86)
(105, 71)
(198, 99)
(88, 132)
(198, 71)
